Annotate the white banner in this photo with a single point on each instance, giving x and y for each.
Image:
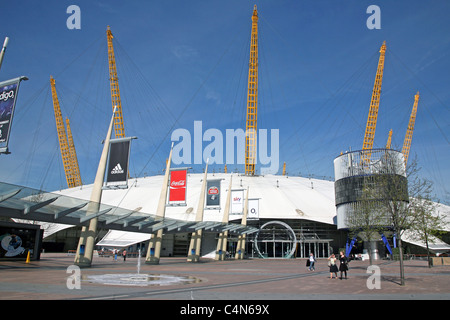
(237, 201)
(253, 209)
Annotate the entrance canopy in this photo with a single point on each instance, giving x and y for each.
(32, 204)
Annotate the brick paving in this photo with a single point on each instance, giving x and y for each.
(232, 280)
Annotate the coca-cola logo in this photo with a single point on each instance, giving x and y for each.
(213, 190)
(179, 183)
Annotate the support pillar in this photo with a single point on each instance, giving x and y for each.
(85, 249)
(196, 238)
(223, 236)
(240, 248)
(154, 246)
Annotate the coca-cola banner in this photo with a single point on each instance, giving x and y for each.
(177, 186)
(213, 192)
(8, 97)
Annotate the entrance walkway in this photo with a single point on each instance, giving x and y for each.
(258, 279)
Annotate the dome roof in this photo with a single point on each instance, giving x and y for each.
(280, 197)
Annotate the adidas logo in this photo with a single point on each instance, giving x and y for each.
(117, 169)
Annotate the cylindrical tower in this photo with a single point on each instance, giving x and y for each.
(375, 176)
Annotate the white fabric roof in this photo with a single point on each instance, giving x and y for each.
(117, 238)
(281, 197)
(48, 227)
(435, 244)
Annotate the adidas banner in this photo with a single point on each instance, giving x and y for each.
(213, 192)
(118, 161)
(177, 188)
(8, 98)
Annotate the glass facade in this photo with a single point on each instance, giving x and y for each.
(291, 238)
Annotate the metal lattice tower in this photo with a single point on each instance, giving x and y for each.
(73, 157)
(374, 103)
(389, 140)
(72, 175)
(119, 128)
(252, 100)
(410, 130)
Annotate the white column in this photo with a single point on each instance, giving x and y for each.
(154, 246)
(85, 249)
(223, 236)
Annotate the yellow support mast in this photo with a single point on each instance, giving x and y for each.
(388, 143)
(119, 128)
(410, 130)
(73, 157)
(374, 103)
(252, 100)
(66, 155)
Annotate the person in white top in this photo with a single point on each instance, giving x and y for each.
(312, 260)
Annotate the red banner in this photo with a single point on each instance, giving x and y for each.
(177, 191)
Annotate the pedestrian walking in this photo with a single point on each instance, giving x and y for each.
(312, 260)
(332, 264)
(124, 254)
(115, 254)
(343, 266)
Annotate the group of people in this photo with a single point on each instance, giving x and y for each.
(343, 264)
(116, 252)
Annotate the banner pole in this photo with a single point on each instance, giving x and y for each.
(223, 236)
(85, 249)
(2, 53)
(154, 245)
(196, 238)
(240, 248)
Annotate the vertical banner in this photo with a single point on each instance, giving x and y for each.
(119, 151)
(8, 98)
(237, 201)
(253, 209)
(177, 186)
(213, 192)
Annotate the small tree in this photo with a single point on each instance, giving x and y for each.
(408, 209)
(382, 193)
(426, 222)
(384, 202)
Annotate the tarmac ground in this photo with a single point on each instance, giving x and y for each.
(53, 277)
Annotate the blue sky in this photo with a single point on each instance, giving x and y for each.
(181, 61)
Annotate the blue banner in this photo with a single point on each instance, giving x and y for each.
(8, 98)
(349, 247)
(386, 243)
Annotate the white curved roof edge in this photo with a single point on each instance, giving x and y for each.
(281, 197)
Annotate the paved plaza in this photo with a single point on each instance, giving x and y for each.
(236, 280)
